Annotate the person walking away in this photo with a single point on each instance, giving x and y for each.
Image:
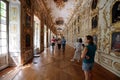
(63, 43)
(78, 50)
(88, 55)
(59, 43)
(53, 43)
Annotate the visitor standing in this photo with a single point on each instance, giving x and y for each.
(78, 50)
(88, 55)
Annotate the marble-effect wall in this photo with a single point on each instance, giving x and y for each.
(26, 32)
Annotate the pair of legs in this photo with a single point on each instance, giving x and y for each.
(63, 47)
(78, 60)
(53, 48)
(87, 68)
(88, 75)
(76, 56)
(53, 44)
(59, 46)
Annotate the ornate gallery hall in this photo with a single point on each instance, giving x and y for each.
(27, 28)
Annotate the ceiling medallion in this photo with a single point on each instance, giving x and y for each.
(60, 3)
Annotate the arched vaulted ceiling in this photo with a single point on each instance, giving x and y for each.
(58, 12)
(41, 11)
(61, 11)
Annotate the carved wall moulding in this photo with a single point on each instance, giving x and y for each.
(117, 66)
(106, 61)
(116, 26)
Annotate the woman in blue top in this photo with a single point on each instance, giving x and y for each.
(88, 55)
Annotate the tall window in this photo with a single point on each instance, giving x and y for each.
(3, 28)
(3, 32)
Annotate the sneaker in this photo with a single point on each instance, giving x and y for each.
(72, 60)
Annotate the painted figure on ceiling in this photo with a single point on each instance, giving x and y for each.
(60, 3)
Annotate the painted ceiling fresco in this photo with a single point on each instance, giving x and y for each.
(61, 11)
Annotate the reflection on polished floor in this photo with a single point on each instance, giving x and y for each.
(57, 66)
(6, 71)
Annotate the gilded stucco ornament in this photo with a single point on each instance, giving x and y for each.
(60, 3)
(106, 61)
(117, 66)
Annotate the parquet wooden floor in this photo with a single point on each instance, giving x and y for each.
(57, 66)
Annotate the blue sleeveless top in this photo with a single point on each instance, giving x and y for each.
(91, 53)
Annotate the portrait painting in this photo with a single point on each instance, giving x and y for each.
(28, 2)
(28, 20)
(116, 42)
(116, 12)
(94, 22)
(27, 40)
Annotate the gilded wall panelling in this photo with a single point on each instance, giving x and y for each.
(109, 58)
(27, 31)
(106, 61)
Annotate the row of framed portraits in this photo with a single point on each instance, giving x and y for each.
(115, 14)
(115, 41)
(94, 21)
(28, 25)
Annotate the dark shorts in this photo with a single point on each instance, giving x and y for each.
(87, 66)
(53, 44)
